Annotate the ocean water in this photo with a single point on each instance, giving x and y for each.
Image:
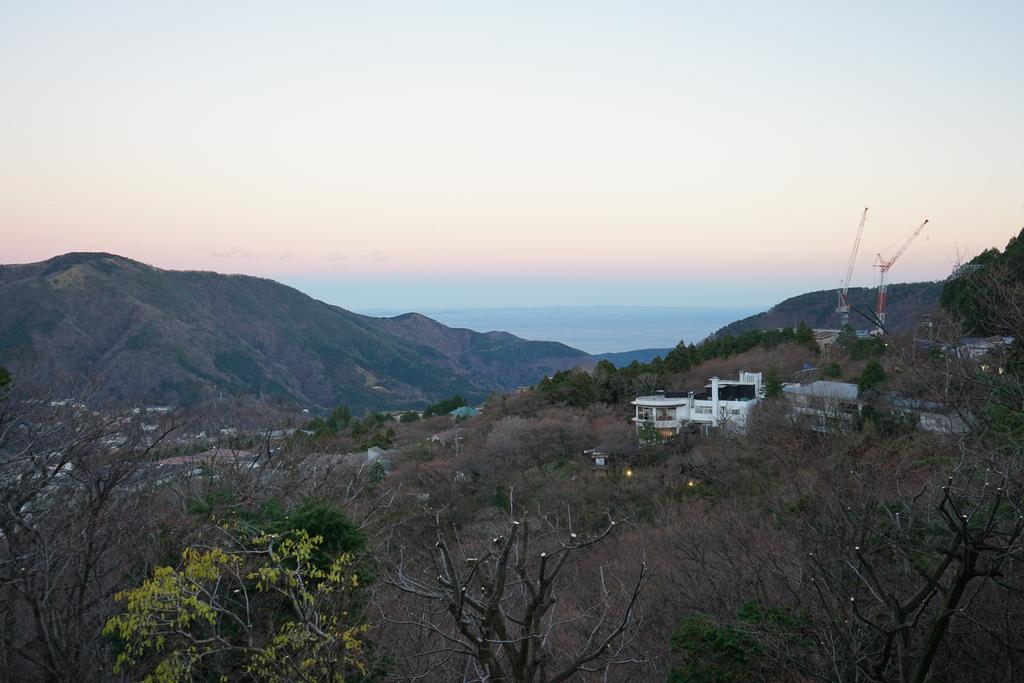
(594, 329)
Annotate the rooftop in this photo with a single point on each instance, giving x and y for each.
(823, 388)
(212, 455)
(677, 399)
(464, 411)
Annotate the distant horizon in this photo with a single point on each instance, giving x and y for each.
(395, 295)
(594, 329)
(371, 311)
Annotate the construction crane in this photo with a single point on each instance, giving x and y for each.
(843, 308)
(883, 266)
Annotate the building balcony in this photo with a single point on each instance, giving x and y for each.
(659, 424)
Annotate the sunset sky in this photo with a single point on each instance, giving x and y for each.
(419, 154)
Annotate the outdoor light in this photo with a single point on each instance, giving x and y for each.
(629, 472)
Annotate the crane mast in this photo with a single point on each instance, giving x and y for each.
(843, 308)
(884, 265)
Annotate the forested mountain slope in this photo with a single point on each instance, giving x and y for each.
(986, 293)
(130, 332)
(907, 302)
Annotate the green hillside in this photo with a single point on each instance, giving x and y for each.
(987, 290)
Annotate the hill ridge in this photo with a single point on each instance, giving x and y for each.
(907, 301)
(184, 336)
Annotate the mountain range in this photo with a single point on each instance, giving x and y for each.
(127, 333)
(133, 333)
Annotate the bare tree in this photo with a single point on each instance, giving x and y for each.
(502, 613)
(891, 577)
(516, 443)
(645, 383)
(69, 517)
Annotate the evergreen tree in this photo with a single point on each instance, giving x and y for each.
(772, 385)
(873, 376)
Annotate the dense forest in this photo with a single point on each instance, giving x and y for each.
(488, 548)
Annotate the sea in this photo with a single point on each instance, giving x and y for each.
(594, 329)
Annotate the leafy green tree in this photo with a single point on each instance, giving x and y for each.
(5, 377)
(772, 385)
(408, 417)
(610, 385)
(1003, 411)
(872, 376)
(978, 298)
(256, 607)
(570, 387)
(338, 534)
(648, 435)
(710, 653)
(681, 358)
(336, 421)
(444, 407)
(368, 425)
(832, 371)
(805, 336)
(340, 417)
(847, 337)
(726, 346)
(870, 347)
(889, 423)
(381, 438)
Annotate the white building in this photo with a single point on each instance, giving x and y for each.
(723, 403)
(824, 406)
(929, 416)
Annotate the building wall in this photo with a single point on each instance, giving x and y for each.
(702, 412)
(673, 413)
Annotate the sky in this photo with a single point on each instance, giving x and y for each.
(413, 155)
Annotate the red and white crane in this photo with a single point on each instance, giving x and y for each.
(883, 266)
(843, 308)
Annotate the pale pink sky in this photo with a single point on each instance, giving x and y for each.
(483, 142)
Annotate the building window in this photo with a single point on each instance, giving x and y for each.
(666, 414)
(644, 414)
(703, 410)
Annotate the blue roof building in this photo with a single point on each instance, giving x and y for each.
(464, 411)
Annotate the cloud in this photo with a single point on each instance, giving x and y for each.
(337, 257)
(285, 256)
(234, 252)
(377, 255)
